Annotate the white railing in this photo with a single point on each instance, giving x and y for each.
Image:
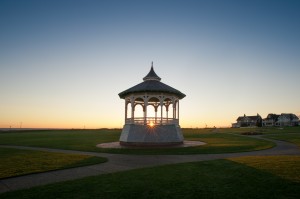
(151, 121)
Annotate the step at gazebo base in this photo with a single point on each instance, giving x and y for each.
(144, 135)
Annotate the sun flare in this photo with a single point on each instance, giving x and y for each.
(151, 124)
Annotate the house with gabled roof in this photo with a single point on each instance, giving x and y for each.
(247, 121)
(270, 120)
(287, 119)
(284, 119)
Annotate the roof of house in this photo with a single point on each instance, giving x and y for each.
(272, 116)
(291, 116)
(152, 83)
(255, 118)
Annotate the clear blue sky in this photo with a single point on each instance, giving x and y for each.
(63, 63)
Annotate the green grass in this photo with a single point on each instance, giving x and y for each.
(279, 130)
(216, 143)
(293, 138)
(82, 140)
(226, 143)
(86, 140)
(262, 130)
(15, 162)
(210, 179)
(287, 167)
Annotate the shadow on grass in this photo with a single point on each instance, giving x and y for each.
(210, 179)
(16, 162)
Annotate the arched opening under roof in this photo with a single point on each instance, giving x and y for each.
(139, 114)
(150, 114)
(139, 100)
(129, 109)
(158, 114)
(169, 114)
(167, 108)
(152, 110)
(153, 100)
(167, 100)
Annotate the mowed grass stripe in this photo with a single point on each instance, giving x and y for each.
(293, 138)
(287, 167)
(86, 140)
(260, 130)
(210, 179)
(16, 162)
(82, 140)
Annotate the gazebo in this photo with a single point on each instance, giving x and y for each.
(161, 129)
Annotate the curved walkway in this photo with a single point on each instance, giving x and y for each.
(120, 162)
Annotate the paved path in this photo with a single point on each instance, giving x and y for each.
(118, 162)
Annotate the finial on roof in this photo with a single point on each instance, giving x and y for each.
(152, 75)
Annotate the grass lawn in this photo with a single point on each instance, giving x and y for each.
(82, 140)
(293, 138)
(15, 162)
(262, 130)
(86, 140)
(279, 130)
(287, 167)
(210, 179)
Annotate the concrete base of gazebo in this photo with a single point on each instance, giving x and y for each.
(144, 135)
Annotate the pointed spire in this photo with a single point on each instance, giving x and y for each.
(152, 75)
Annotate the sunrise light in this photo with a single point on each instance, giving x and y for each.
(151, 124)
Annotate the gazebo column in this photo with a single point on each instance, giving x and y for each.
(126, 103)
(174, 111)
(145, 112)
(132, 113)
(155, 108)
(145, 115)
(132, 102)
(167, 111)
(161, 114)
(178, 111)
(161, 111)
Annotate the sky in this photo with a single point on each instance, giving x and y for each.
(63, 62)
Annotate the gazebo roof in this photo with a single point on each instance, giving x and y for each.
(152, 84)
(152, 75)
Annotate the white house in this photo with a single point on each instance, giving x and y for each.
(270, 120)
(287, 119)
(247, 121)
(284, 119)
